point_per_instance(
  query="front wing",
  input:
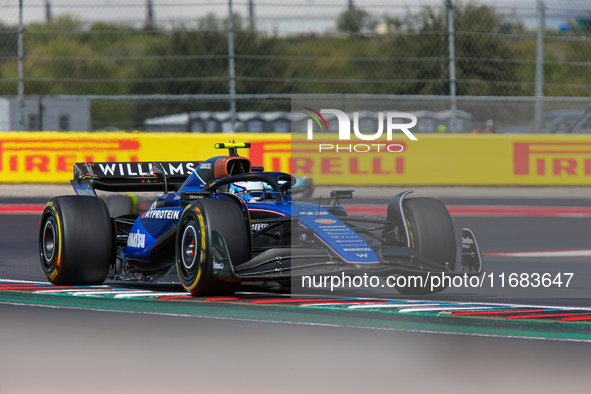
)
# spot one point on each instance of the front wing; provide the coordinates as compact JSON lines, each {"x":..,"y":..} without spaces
{"x":285,"y":263}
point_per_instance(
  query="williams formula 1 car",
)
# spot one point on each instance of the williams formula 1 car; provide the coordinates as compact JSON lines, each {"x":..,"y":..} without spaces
{"x":222,"y":222}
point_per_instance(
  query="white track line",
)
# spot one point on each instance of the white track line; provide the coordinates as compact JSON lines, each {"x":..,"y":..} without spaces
{"x":391,"y":306}
{"x":99,"y":288}
{"x":549,"y":253}
{"x":23,"y":281}
{"x":153,"y":294}
{"x":449,"y":308}
{"x":102,"y":292}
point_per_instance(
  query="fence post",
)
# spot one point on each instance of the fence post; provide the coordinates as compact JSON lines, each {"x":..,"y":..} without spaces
{"x":21,"y":82}
{"x":452,"y":64}
{"x":251,"y":18}
{"x":232,"y":71}
{"x":47,"y":11}
{"x":149,"y":13}
{"x":538,"y":126}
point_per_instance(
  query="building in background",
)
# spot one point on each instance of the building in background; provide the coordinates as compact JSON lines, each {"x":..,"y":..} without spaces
{"x":281,"y":122}
{"x":46,"y":114}
{"x":220,"y":122}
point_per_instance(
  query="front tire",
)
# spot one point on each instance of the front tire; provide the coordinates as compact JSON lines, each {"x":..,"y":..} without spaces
{"x":431,"y":233}
{"x":195,"y":246}
{"x":76,"y":240}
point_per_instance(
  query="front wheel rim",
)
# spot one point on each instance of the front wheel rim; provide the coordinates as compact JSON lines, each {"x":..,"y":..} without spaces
{"x":189,"y":248}
{"x":48,"y":243}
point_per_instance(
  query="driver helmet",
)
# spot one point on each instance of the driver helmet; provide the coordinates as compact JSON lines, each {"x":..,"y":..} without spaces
{"x":249,"y":190}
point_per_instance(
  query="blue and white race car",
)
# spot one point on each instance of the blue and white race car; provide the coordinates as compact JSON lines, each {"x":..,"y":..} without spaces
{"x":222,"y":222}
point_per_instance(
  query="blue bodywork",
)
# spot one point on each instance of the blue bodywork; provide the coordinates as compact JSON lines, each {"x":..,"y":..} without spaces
{"x":164,"y":214}
{"x":259,"y":230}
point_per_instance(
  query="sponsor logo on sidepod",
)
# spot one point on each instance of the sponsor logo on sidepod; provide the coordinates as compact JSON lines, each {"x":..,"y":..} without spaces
{"x":258,"y":226}
{"x":161,"y":214}
{"x":325,"y":221}
{"x":136,"y":240}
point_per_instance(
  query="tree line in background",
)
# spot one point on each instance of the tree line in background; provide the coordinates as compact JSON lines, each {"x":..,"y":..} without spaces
{"x":494,"y":56}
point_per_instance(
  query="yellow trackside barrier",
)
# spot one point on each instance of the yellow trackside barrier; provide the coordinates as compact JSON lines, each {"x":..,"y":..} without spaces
{"x":460,"y":159}
{"x":432,"y":160}
{"x":41,"y":157}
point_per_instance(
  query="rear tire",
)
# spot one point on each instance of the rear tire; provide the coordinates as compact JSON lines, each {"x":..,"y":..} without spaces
{"x":432,"y":234}
{"x":76,"y":240}
{"x":194,"y":245}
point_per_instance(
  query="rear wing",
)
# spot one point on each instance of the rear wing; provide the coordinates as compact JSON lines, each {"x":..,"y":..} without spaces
{"x":131,"y":176}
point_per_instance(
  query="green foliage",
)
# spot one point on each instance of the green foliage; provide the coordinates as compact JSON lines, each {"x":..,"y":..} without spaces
{"x":355,"y":21}
{"x":484,"y":55}
{"x":8,"y":59}
{"x":581,"y":25}
{"x":8,"y":42}
{"x":494,"y":56}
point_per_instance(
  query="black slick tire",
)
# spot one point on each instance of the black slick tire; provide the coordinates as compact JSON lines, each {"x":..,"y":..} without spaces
{"x":432,"y":234}
{"x":76,"y":240}
{"x":194,"y":251}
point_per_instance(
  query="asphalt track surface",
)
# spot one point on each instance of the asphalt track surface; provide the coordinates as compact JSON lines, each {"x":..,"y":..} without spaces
{"x":54,"y":343}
